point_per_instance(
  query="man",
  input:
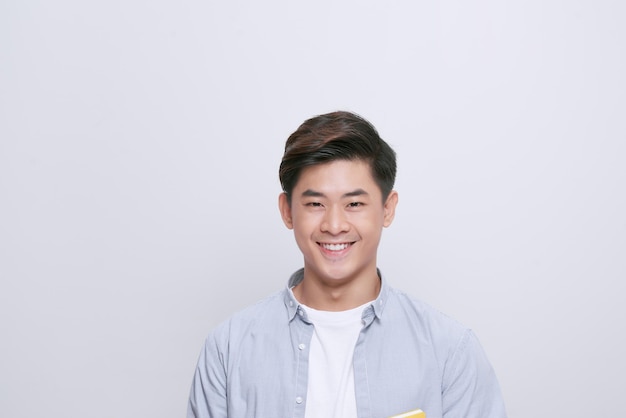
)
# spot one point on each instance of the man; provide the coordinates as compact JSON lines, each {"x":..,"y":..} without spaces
{"x":339,"y":341}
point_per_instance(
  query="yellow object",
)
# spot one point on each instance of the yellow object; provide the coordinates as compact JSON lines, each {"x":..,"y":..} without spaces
{"x":416,"y":413}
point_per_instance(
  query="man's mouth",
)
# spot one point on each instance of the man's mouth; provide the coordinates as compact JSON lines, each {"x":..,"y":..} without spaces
{"x":335,"y":247}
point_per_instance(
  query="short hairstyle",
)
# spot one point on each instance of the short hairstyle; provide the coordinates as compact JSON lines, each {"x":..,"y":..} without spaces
{"x":337,"y":136}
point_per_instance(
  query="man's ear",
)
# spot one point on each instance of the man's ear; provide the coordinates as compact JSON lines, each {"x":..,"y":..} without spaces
{"x":390,"y":208}
{"x":285,"y":210}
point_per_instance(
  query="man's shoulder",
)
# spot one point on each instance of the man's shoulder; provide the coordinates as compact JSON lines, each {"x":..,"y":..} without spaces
{"x":270,"y":310}
{"x":423,"y":317}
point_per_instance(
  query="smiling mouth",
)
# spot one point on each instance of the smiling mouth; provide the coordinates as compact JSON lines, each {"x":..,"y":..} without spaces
{"x":335,"y":247}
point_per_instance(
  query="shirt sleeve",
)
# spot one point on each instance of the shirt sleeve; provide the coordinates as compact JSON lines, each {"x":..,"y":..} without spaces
{"x":208,"y":397}
{"x":470,"y":388}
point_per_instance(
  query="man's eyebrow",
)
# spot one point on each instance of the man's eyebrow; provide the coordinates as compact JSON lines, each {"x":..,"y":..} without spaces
{"x":357,"y":192}
{"x":313,"y":193}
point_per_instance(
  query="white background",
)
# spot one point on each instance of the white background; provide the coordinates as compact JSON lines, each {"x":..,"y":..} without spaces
{"x":139,"y":150}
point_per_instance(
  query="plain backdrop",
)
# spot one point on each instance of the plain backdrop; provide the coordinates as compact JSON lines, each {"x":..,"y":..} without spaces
{"x":139,"y":150}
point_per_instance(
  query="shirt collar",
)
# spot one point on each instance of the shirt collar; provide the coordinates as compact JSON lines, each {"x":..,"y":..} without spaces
{"x":377,"y":306}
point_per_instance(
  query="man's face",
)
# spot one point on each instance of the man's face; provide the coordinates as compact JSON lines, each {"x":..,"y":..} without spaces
{"x":337,"y":216}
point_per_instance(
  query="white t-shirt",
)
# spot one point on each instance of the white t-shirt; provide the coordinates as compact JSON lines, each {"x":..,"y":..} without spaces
{"x":330,"y":390}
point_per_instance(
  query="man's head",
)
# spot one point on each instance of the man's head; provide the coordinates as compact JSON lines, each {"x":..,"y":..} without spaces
{"x":337,"y":175}
{"x":337,"y":136}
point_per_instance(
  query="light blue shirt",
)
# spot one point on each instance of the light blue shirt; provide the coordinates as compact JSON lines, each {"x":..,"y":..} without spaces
{"x":407,"y":356}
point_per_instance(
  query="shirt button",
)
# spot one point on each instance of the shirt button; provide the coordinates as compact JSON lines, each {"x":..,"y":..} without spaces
{"x":301,"y":346}
{"x":291,"y":303}
{"x":300,"y":312}
{"x":298,"y":399}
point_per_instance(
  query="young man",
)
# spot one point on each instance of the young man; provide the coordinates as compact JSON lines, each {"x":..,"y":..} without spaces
{"x":339,"y":341}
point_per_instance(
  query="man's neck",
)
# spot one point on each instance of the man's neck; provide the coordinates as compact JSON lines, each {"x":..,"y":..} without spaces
{"x":341,"y":297}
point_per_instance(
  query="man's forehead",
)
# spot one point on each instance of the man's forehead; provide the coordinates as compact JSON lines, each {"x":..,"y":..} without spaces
{"x":343,"y":177}
{"x":355,"y":167}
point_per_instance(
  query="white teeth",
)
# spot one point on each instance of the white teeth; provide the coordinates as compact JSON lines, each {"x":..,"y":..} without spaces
{"x":335,"y":247}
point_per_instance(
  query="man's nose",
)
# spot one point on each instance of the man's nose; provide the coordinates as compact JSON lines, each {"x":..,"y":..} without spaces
{"x":335,"y":221}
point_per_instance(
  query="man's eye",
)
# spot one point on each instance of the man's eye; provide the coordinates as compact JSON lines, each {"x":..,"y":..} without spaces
{"x":314,"y":204}
{"x":355,"y":204}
